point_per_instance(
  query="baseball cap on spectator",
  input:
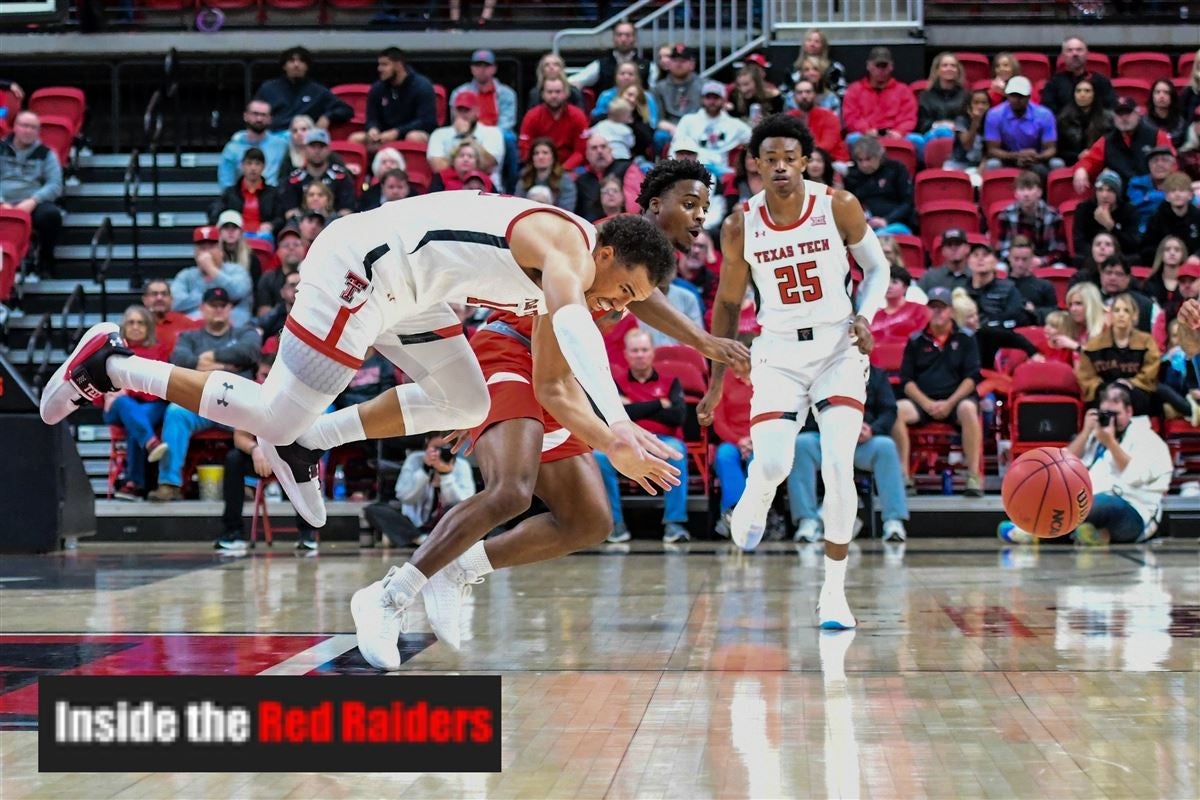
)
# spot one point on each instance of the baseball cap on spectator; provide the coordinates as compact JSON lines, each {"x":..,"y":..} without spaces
{"x":290,"y":229}
{"x":758,"y":58}
{"x":938,"y":294}
{"x":1125,"y":105}
{"x":683,"y":51}
{"x":954,"y":236}
{"x":313,"y":215}
{"x":1189,"y":269}
{"x":981,"y":246}
{"x":466,"y":99}
{"x":216,"y":295}
{"x":483,"y":57}
{"x":879,"y":55}
{"x":229,"y":217}
{"x":713,"y":87}
{"x":206,"y":233}
{"x":684,"y":144}
{"x":1110,"y":179}
{"x":1018,"y":84}
{"x":317,"y":135}
{"x":1160,"y":151}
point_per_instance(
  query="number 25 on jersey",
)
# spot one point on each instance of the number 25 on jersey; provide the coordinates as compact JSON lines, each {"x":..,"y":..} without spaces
{"x":797,"y":284}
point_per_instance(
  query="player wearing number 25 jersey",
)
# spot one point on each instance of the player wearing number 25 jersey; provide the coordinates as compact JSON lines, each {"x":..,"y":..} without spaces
{"x":791,"y":241}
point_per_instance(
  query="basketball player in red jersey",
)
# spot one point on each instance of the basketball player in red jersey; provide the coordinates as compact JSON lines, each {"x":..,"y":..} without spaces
{"x":523,"y":375}
{"x":791,"y":240}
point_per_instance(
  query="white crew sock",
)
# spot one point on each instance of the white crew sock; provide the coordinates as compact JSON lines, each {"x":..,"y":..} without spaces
{"x":835,"y":574}
{"x":408,"y":581}
{"x":475,"y":560}
{"x":139,"y":374}
{"x":330,"y":430}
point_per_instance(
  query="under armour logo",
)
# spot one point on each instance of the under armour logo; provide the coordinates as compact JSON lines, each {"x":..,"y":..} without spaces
{"x":354,"y":285}
{"x":757,"y":234}
{"x":228,"y":387}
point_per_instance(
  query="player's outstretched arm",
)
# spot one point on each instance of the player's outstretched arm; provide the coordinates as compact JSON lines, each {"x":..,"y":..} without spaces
{"x":863,"y":244}
{"x":657,"y":312}
{"x":554,"y":245}
{"x":727,"y":307}
{"x":633,"y":451}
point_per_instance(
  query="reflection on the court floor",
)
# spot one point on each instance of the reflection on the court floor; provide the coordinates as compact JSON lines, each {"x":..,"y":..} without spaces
{"x":842,"y":773}
{"x":1124,"y":627}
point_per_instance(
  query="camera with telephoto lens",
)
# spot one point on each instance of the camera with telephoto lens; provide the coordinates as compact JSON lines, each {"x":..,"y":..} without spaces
{"x":1104,"y":418}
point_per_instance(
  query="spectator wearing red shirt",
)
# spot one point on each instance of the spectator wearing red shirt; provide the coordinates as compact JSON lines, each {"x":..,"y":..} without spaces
{"x":879,"y":104}
{"x":258,"y":203}
{"x":654,"y":400}
{"x":899,"y":318}
{"x":168,"y":323}
{"x":557,"y":120}
{"x":825,"y":126}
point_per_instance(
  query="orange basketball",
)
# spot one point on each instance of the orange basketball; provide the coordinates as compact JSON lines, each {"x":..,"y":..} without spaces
{"x":1047,"y":492}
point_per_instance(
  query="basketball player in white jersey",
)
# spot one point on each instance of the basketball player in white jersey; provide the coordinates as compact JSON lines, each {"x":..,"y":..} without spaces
{"x":791,"y":240}
{"x":384,"y":278}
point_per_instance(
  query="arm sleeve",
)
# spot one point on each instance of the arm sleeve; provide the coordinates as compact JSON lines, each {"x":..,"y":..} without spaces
{"x":876,"y":273}
{"x":583,"y":348}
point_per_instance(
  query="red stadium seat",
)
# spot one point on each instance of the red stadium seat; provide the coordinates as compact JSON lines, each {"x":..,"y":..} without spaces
{"x":8,"y":270}
{"x":998,"y":184}
{"x":1060,"y":278}
{"x":1096,"y":62}
{"x":265,"y":253}
{"x":440,"y":105}
{"x":1137,"y":88}
{"x":355,"y":96}
{"x":1060,"y":187}
{"x":940,"y":216}
{"x":1067,"y":209}
{"x":993,"y":220}
{"x":976,"y":66}
{"x":981,"y":86}
{"x":1140,"y":272}
{"x":15,"y":228}
{"x":919,"y":86}
{"x":912,"y":251}
{"x":1035,"y":66}
{"x":938,"y":151}
{"x":1181,"y":83}
{"x":415,"y":162}
{"x":1045,"y":409}
{"x":901,"y":150}
{"x":681,"y":354}
{"x":1186,"y":62}
{"x":58,"y":133}
{"x":1148,"y":66}
{"x":932,"y":185}
{"x":930,"y":446}
{"x":66,"y":102}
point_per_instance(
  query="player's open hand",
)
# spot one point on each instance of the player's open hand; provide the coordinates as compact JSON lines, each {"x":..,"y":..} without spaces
{"x":707,"y":405}
{"x":728,"y":351}
{"x":1189,"y":312}
{"x":457,"y":440}
{"x":860,"y":334}
{"x":638,"y":454}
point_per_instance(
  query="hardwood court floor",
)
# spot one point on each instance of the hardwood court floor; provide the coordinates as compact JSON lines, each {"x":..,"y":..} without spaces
{"x":696,"y":673}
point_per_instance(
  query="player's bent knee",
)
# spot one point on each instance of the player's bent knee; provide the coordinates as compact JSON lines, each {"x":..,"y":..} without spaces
{"x":510,"y":497}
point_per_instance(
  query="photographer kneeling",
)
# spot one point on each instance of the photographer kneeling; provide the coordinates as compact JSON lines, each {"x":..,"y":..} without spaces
{"x":431,"y":481}
{"x":1130,"y":467}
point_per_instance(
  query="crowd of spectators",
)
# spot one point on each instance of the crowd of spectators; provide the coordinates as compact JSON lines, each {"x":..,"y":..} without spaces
{"x":1124,"y":237}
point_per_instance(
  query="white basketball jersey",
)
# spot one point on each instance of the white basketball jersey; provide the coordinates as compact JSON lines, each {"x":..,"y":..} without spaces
{"x":800,"y":271}
{"x":450,"y":247}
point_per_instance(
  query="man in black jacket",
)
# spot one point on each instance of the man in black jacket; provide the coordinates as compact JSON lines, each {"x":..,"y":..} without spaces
{"x":999,"y":302}
{"x":400,"y":105}
{"x":1107,"y":212}
{"x":252,"y":197}
{"x":1060,"y":89}
{"x":937,"y":378}
{"x":882,"y":186}
{"x":876,"y":453}
{"x":295,"y":93}
{"x":1038,"y":293}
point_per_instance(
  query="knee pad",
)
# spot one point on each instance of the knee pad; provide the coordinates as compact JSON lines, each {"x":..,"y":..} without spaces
{"x":315,"y":370}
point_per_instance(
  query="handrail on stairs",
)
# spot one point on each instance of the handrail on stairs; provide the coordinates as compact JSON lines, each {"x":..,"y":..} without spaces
{"x":77,"y":298}
{"x":43,"y":334}
{"x":103,"y":237}
{"x":132,"y":190}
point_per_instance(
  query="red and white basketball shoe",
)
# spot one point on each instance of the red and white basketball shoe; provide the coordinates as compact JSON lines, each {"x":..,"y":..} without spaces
{"x":82,"y":379}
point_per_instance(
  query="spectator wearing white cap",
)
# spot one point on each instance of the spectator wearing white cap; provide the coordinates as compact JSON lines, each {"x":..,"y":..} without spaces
{"x":211,"y":271}
{"x":714,"y":130}
{"x":1021,"y":133}
{"x":466,"y":125}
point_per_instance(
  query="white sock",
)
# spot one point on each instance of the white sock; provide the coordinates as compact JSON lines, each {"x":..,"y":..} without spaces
{"x":330,"y":430}
{"x":139,"y":374}
{"x":408,"y":581}
{"x":835,"y":574}
{"x":475,"y":560}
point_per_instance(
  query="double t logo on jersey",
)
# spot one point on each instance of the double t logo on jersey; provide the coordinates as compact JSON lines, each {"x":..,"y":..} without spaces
{"x":354,"y":285}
